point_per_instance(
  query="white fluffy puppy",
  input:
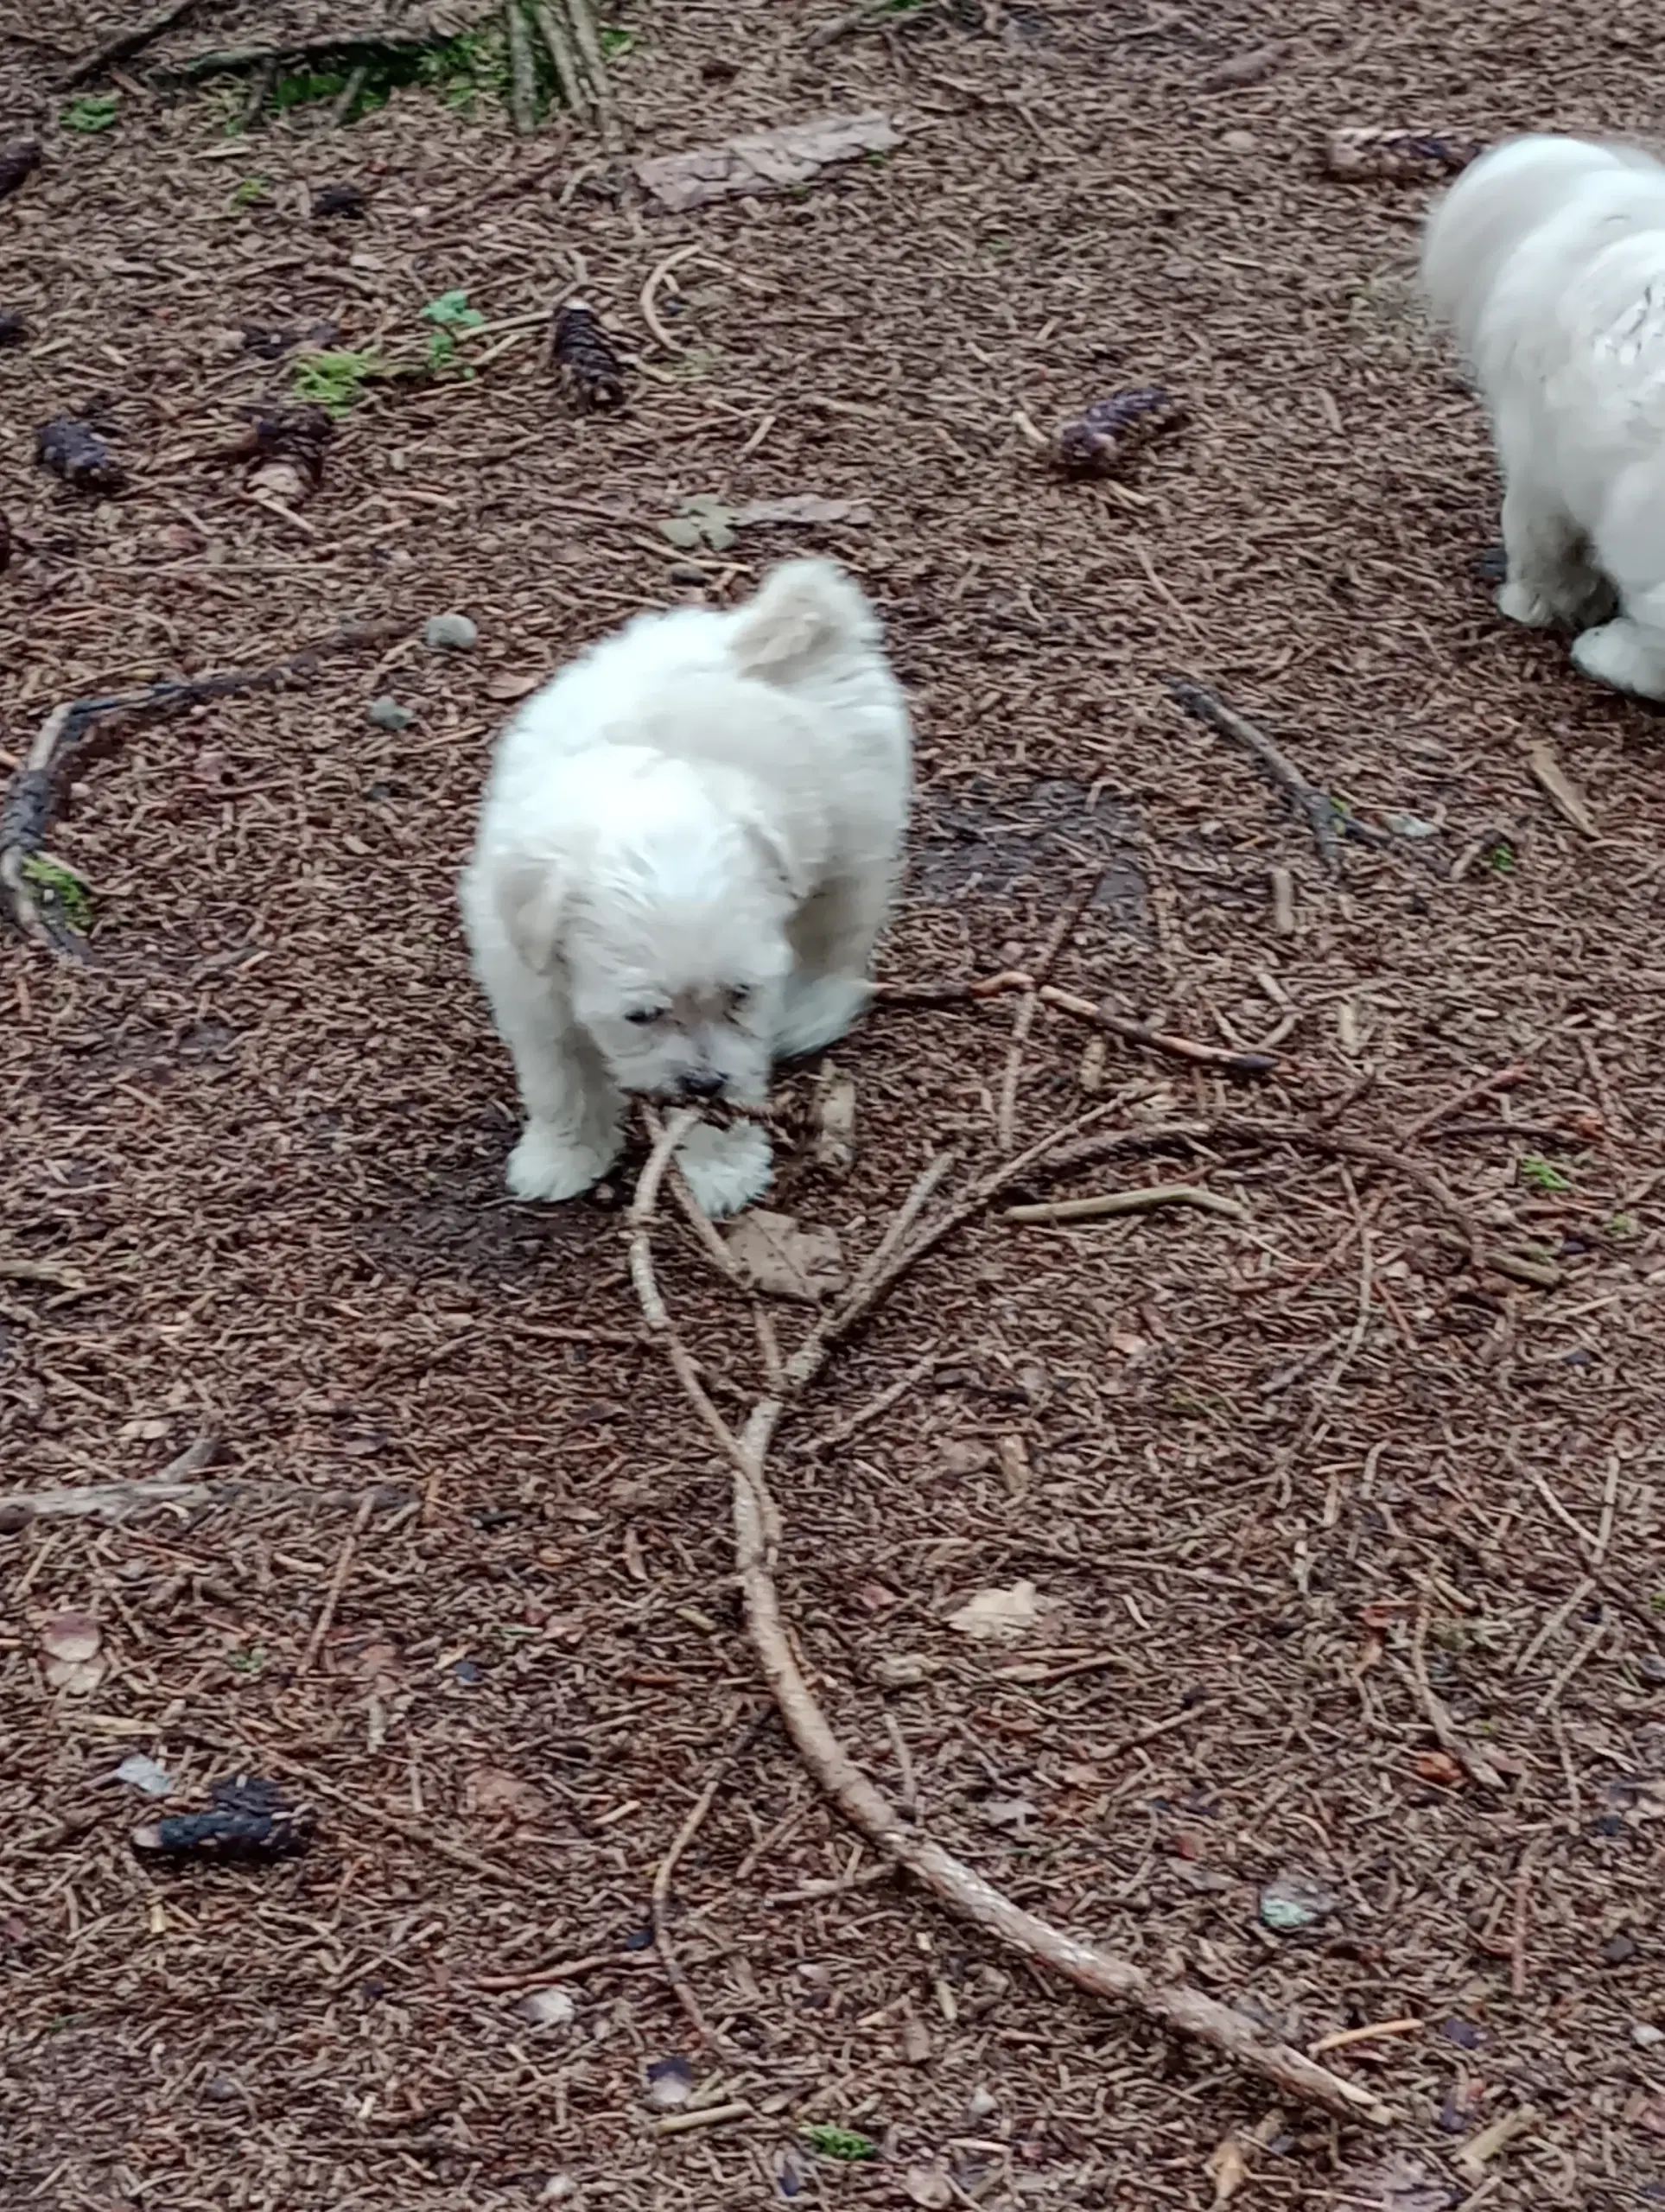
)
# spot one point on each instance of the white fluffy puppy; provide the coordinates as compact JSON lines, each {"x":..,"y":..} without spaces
{"x":688,"y":842}
{"x":1547,"y":258}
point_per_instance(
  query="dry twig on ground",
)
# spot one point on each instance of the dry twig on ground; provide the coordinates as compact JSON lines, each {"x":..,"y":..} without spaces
{"x":31,"y":799}
{"x":757,"y":1537}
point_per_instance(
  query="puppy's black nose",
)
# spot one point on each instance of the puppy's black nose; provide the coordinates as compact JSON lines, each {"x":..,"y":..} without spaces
{"x":702,"y":1086}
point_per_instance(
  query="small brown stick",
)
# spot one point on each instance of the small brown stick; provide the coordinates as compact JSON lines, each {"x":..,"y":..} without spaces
{"x":836,"y":1886}
{"x":1283,"y":903}
{"x":337,"y":1584}
{"x":1133,"y":1032}
{"x":1183,"y":2009}
{"x":854,"y":19}
{"x":1144,"y":1200}
{"x":567,"y":73}
{"x":348,"y":98}
{"x":682,"y":2123}
{"x":27,"y":811}
{"x":841,"y":1432}
{"x":1517,"y":1973}
{"x":1059,"y":935}
{"x":1552,"y":1696}
{"x":1488,"y":1086}
{"x":126,"y":42}
{"x":1327,"y":821}
{"x":1445,"y":1728}
{"x":1343,"y":2038}
{"x":522,"y":72}
{"x":659,"y":1896}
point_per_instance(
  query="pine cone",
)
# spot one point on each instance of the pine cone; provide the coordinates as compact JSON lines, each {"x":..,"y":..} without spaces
{"x":16,"y":163}
{"x":590,"y":371}
{"x":80,"y":456}
{"x":1397,"y":156}
{"x":1112,"y":430}
{"x":286,"y":445}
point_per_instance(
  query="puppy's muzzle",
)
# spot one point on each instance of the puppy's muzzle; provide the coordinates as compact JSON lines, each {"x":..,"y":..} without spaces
{"x":701,"y":1085}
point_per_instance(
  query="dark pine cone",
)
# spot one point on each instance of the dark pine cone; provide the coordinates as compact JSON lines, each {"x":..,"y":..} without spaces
{"x":589,"y":370}
{"x":80,"y":456}
{"x":252,"y":1821}
{"x":16,"y":163}
{"x":1112,"y":429}
{"x":294,"y":434}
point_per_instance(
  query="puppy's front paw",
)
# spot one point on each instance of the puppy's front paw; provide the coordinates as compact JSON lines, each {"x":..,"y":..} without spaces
{"x":1519,"y":603}
{"x":815,"y":1014}
{"x":548,"y":1164}
{"x":726,"y":1169}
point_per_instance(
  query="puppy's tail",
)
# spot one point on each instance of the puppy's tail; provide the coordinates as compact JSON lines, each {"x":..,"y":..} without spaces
{"x":807,"y":612}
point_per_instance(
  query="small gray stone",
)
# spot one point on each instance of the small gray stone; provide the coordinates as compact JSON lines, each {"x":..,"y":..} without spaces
{"x":1294,"y":1902}
{"x":1646,"y":2036}
{"x":449,"y":633}
{"x":388,"y":713}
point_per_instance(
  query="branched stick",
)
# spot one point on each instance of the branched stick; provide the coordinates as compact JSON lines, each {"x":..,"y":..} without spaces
{"x":126,"y":43}
{"x":589,"y":41}
{"x":1245,"y":1065}
{"x":1184,"y":2011}
{"x":31,"y":798}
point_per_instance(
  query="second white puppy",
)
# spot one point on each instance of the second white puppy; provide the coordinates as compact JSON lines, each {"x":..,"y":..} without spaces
{"x":1547,"y":258}
{"x":688,"y":843}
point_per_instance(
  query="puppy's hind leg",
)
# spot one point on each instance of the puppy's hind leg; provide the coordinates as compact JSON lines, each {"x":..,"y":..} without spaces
{"x":833,"y":939}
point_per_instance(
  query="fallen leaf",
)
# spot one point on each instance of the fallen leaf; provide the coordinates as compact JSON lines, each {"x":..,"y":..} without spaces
{"x":1647,"y":2112}
{"x":71,"y":1637}
{"x":800,"y":509}
{"x":916,"y":2046}
{"x":764,"y":160}
{"x":1227,"y":2168}
{"x":507,"y":684}
{"x":902,"y":1670}
{"x":998,"y":1615}
{"x":1548,"y":774}
{"x":1294,"y":1902}
{"x":1242,"y":69}
{"x":1400,"y":2184}
{"x":547,"y":2008}
{"x":1007,"y":1812}
{"x":139,"y":1772}
{"x":928,"y":2185}
{"x":834,"y":1120}
{"x":777,"y":1257}
{"x":1438,"y":1766}
{"x":1015,"y":1472}
{"x":702,"y":520}
{"x":491,"y":1794}
{"x":964,"y":1455}
{"x":670,"y":2083}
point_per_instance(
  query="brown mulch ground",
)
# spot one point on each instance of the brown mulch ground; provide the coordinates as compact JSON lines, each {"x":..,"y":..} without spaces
{"x":1295,"y":1487}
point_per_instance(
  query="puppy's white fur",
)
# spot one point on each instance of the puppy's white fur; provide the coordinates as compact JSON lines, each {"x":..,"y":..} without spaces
{"x":1547,"y":258}
{"x":688,"y":843}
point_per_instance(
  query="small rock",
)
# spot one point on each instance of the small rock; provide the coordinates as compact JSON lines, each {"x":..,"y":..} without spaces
{"x":449,"y":633}
{"x":1411,"y":825}
{"x":1294,"y":1902}
{"x":547,"y":2008}
{"x":902,"y":1670}
{"x":388,"y":713}
{"x":1619,"y":1950}
{"x":1652,"y":1666}
{"x":670,"y":2083}
{"x":1239,"y":141}
{"x":1646,"y":2036}
{"x":981,"y":2104}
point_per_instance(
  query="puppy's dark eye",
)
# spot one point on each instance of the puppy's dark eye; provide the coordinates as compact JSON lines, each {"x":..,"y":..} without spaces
{"x":642,"y":1015}
{"x":739,"y":996}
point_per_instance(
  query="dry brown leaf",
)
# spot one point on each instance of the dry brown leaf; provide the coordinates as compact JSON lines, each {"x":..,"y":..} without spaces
{"x":778,"y":1258}
{"x":547,"y":2008}
{"x":1478,"y":2152}
{"x":964,"y":1455}
{"x":928,"y":2185}
{"x":1438,"y":1766}
{"x":765,"y":161}
{"x":1552,"y":779}
{"x":509,"y":684}
{"x":491,"y":1794}
{"x":999,"y":1616}
{"x":917,"y":2045}
{"x":71,"y":1638}
{"x":1227,"y":2168}
{"x":1243,"y":69}
{"x":801,"y":508}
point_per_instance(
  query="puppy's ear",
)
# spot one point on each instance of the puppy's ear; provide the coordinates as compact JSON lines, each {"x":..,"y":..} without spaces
{"x":532,"y":900}
{"x":776,"y":855}
{"x":807,"y":612}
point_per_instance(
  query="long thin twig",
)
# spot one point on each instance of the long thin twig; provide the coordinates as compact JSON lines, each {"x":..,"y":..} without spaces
{"x":337,"y":1584}
{"x":589,"y":41}
{"x":1328,"y":822}
{"x":523,"y":71}
{"x":976,"y":991}
{"x":27,"y":811}
{"x":1059,"y":935}
{"x":1184,"y":2011}
{"x":1109,"y":1204}
{"x":126,"y":43}
{"x":660,"y":1897}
